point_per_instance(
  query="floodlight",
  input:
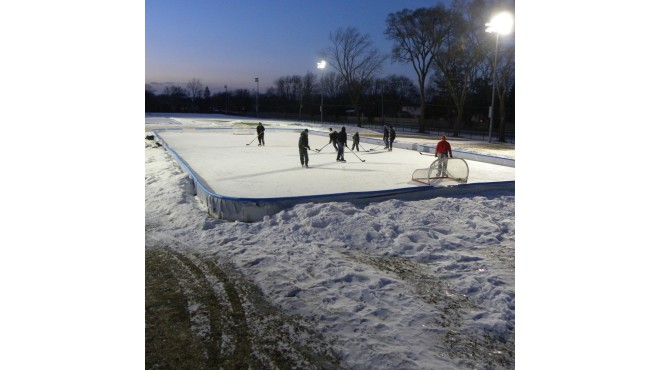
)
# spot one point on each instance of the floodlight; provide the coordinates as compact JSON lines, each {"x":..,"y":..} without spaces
{"x":501,"y":23}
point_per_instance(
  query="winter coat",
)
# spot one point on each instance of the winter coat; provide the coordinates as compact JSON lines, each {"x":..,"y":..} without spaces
{"x":303,"y":142}
{"x":443,"y":147}
{"x":341,"y":138}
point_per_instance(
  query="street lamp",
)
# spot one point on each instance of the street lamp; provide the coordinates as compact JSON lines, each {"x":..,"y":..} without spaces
{"x":226,"y":101}
{"x":501,"y":24}
{"x":321,"y":65}
{"x":256,"y":79}
{"x":382,"y":103}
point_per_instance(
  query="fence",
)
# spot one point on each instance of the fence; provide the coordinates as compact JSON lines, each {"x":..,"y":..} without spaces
{"x":432,"y":130}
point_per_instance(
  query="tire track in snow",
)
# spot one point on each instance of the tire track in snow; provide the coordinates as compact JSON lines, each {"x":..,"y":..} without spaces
{"x":201,"y":313}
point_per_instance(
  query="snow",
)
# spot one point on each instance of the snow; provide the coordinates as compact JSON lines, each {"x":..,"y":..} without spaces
{"x":231,"y":168}
{"x":72,"y":266}
{"x":392,"y":282}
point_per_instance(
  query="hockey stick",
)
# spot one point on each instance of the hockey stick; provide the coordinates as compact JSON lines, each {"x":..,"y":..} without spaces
{"x":425,"y":153}
{"x":319,"y":150}
{"x":356,"y":155}
{"x":255,"y":138}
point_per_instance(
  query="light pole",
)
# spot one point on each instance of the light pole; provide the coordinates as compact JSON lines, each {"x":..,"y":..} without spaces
{"x":256,"y":79}
{"x":382,"y":103}
{"x":226,"y":101}
{"x":321,"y":65}
{"x":501,"y":24}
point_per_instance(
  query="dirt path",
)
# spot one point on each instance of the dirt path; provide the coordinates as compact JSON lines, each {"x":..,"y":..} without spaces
{"x":200,"y":315}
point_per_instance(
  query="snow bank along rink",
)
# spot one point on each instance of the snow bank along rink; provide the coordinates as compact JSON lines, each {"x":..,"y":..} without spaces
{"x":239,"y":180}
{"x":425,"y":284}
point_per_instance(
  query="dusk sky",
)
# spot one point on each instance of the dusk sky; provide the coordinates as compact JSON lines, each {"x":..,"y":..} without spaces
{"x":231,"y":42}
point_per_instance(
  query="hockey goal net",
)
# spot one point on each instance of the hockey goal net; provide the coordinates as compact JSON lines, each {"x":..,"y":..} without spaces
{"x":441,"y":169}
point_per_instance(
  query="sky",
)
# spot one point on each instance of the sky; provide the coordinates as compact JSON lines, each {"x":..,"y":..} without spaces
{"x":233,"y":42}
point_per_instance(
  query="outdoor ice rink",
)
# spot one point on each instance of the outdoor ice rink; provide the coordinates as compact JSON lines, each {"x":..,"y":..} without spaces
{"x":226,"y":165}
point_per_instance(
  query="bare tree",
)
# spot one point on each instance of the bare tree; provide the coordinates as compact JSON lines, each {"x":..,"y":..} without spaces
{"x":395,"y":90}
{"x":505,"y":80}
{"x":174,"y":90}
{"x":175,"y":98}
{"x":195,"y":88}
{"x":352,"y":56}
{"x":281,"y":87}
{"x":308,"y":82}
{"x":459,"y":57}
{"x":288,"y":87}
{"x":331,"y":84}
{"x":502,"y":74}
{"x":415,"y":34}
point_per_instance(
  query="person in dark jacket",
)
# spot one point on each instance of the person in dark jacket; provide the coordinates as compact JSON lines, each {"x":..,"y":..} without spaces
{"x":386,"y":136}
{"x":392,"y":137}
{"x":333,"y":139}
{"x":356,"y":142}
{"x":303,"y":146}
{"x":341,"y":143}
{"x":260,"y":134}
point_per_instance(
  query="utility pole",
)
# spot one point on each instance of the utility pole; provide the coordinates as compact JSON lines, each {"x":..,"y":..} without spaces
{"x":257,"y":81}
{"x":226,"y":101}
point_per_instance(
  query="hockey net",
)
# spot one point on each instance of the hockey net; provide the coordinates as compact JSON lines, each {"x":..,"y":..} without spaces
{"x":442,"y":169}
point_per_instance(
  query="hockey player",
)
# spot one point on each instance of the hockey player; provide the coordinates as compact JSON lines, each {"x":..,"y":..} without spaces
{"x":356,"y":142}
{"x":260,"y":134}
{"x":392,"y":137}
{"x":333,"y":139}
{"x":341,"y":143}
{"x":386,"y":136}
{"x":443,"y":148}
{"x":303,"y":146}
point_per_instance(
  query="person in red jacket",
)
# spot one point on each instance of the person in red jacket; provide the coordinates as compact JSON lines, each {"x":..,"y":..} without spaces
{"x":444,"y":149}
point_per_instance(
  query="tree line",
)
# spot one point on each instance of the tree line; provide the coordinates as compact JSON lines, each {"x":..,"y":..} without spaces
{"x":452,"y":56}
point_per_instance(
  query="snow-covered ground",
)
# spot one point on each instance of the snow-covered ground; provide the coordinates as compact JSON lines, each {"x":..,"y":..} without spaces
{"x":73,"y":273}
{"x":418,"y":285}
{"x":74,"y":182}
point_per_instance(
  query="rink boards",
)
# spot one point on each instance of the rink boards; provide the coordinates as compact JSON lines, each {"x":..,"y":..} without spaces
{"x":240,"y":181}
